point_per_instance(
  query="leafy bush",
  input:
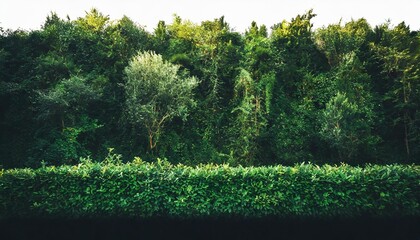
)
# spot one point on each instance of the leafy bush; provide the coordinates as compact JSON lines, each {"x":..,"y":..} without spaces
{"x":160,"y":189}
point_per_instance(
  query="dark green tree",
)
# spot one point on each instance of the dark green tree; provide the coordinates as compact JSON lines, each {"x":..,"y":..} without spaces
{"x":398,"y":51}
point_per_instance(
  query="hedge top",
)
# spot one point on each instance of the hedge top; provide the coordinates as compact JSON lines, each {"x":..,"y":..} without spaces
{"x":139,"y":189}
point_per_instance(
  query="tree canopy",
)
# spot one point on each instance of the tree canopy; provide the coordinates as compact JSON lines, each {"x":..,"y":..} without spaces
{"x":346,"y":92}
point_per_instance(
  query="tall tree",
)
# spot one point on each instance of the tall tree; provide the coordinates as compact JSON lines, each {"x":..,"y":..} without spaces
{"x":398,"y":50}
{"x":291,"y":119}
{"x":250,"y":118}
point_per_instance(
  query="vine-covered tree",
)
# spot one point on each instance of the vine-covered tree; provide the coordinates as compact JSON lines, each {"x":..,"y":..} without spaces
{"x":249,"y":118}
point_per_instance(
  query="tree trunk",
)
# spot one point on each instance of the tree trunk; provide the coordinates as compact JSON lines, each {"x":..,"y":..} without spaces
{"x":150,"y":140}
{"x":62,"y":123}
{"x":406,"y":141}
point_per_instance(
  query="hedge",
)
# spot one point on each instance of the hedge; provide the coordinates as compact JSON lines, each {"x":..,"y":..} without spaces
{"x":145,"y":190}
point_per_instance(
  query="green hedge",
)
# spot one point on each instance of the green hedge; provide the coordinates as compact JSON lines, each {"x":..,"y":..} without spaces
{"x":160,"y":189}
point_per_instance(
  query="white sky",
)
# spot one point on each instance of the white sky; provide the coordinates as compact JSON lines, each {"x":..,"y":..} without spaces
{"x":31,"y":14}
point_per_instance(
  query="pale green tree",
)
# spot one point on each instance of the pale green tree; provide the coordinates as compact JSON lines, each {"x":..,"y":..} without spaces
{"x":156,"y":93}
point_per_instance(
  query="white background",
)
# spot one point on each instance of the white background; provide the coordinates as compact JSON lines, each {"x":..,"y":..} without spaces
{"x":31,"y":14}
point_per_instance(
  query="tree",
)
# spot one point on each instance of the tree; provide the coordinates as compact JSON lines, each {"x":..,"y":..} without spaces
{"x":346,"y":126}
{"x":249,"y":115}
{"x":212,"y":52}
{"x":349,"y":118}
{"x":257,"y":52}
{"x":64,"y":115}
{"x":160,"y":38}
{"x":94,"y":21}
{"x":337,"y":41}
{"x":156,"y":93}
{"x":291,"y":125}
{"x":66,"y":100}
{"x":294,"y":44}
{"x":398,"y":50}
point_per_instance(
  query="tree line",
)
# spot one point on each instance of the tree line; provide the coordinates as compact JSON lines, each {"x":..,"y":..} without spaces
{"x":205,"y":93}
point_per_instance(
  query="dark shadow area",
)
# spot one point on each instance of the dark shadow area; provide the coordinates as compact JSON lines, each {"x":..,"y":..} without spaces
{"x":264,"y":228}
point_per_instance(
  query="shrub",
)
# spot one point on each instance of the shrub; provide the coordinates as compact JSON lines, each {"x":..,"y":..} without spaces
{"x":144,"y":190}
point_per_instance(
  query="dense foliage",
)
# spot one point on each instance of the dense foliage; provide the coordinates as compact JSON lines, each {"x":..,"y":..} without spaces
{"x":342,"y":93}
{"x":139,"y":189}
